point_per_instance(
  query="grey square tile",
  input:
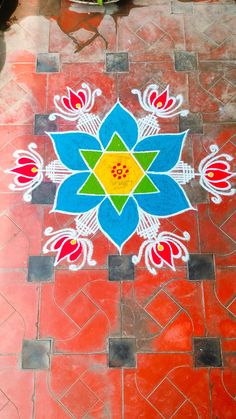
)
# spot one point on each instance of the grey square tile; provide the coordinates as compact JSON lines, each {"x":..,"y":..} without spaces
{"x":50,"y":8}
{"x":122,"y":352}
{"x":43,"y":125}
{"x":193,"y":122}
{"x":207,"y":352}
{"x":40,"y":268}
{"x":36,"y":354}
{"x":44,"y":194}
{"x":117,"y":62}
{"x":201,"y":267}
{"x":185,"y":61}
{"x":48,"y":63}
{"x":178,"y":7}
{"x":196,"y":194}
{"x":121,"y":268}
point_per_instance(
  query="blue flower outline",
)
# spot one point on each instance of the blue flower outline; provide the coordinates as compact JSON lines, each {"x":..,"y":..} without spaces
{"x":120,"y":227}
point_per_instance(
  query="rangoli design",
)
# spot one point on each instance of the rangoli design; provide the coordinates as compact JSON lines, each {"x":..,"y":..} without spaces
{"x":119,"y":176}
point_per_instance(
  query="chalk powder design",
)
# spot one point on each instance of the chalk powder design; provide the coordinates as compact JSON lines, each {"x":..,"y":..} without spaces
{"x":119,"y":176}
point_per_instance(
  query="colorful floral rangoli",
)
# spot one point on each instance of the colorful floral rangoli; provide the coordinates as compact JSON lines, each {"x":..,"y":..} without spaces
{"x":119,"y":176}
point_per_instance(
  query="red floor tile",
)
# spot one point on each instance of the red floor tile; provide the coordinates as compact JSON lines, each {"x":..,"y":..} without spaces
{"x":219,"y":320}
{"x":18,"y":259}
{"x":87,"y":399}
{"x":189,"y":297}
{"x":17,"y":319}
{"x":189,"y":224}
{"x":81,"y":309}
{"x":194,"y":384}
{"x":8,"y":229}
{"x":213,"y":239}
{"x":226,"y":260}
{"x":158,"y":31}
{"x":170,"y":373}
{"x":164,"y":391}
{"x":46,"y":403}
{"x":229,"y":345}
{"x":31,"y":101}
{"x":163,"y":308}
{"x":17,"y":388}
{"x":225,"y":286}
{"x":88,"y":375}
{"x":71,"y":331}
{"x":222,"y":401}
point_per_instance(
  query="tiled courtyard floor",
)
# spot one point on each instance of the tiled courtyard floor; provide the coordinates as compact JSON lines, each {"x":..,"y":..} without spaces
{"x":112,"y":340}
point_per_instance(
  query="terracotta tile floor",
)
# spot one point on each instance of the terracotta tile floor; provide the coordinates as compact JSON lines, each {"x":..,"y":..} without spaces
{"x":108,"y":341}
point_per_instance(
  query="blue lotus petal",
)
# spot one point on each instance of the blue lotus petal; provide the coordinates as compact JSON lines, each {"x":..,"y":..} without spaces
{"x":170,"y":199}
{"x":170,"y":147}
{"x":68,"y":200}
{"x":118,"y":227}
{"x":68,"y":144}
{"x":119,"y":120}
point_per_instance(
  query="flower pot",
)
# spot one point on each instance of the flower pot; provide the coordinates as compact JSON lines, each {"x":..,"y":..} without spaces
{"x":94,"y":2}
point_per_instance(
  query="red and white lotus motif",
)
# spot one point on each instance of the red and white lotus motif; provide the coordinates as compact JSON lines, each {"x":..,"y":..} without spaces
{"x":72,"y":106}
{"x":215,"y":172}
{"x":161,"y":104}
{"x":75,"y":101}
{"x":160,"y":101}
{"x":28,"y":171}
{"x":163,"y":251}
{"x":68,"y":246}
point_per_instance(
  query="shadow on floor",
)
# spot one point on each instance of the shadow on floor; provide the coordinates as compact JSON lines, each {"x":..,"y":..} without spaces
{"x":69,"y":16}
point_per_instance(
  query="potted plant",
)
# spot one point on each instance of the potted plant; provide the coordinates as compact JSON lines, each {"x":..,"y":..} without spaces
{"x":94,"y":2}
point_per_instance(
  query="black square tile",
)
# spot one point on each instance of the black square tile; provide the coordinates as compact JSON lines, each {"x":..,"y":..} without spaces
{"x":40,"y":268}
{"x":43,"y":125}
{"x":121,"y":268}
{"x":185,"y":61}
{"x":36,"y":354}
{"x":207,"y":352}
{"x":117,"y":62}
{"x":48,"y":63}
{"x":44,"y":194}
{"x":193,"y":122}
{"x":122,"y":352}
{"x":201,"y":267}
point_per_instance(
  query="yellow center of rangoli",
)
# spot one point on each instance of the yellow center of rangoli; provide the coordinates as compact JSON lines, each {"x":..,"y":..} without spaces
{"x":118,"y":172}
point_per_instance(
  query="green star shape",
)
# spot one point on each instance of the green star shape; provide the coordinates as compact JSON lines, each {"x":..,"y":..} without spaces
{"x":93,"y":186}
